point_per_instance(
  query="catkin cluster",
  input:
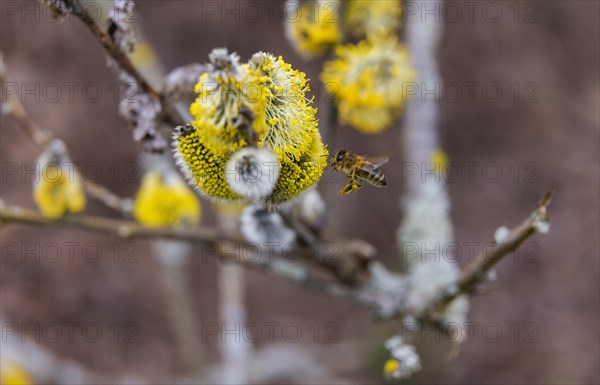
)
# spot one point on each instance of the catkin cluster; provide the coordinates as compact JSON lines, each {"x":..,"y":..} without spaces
{"x":368,"y":79}
{"x":254,"y":136}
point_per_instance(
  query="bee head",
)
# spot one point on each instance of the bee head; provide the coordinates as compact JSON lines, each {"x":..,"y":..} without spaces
{"x":338,"y":158}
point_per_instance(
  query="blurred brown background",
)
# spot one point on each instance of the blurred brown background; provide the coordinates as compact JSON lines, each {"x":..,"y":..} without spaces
{"x":548,"y":48}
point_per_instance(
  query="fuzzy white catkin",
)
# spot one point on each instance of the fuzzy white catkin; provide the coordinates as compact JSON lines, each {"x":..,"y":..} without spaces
{"x":265,"y":228}
{"x":56,"y":152}
{"x":121,"y":14}
{"x":311,"y":206}
{"x":55,"y":156}
{"x":406,"y":355}
{"x":252,"y":172}
{"x":56,"y":8}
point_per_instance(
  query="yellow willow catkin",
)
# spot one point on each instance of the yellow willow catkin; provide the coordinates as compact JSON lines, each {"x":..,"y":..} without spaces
{"x":313,"y":26}
{"x":373,"y":18}
{"x":267,"y":97}
{"x":370,"y":81}
{"x":58,"y":188}
{"x":164,"y":199}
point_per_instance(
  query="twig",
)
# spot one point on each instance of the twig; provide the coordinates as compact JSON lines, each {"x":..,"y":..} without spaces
{"x":111,"y":48}
{"x":123,"y":61}
{"x":121,"y":228}
{"x":108,"y":198}
{"x":507,"y":241}
{"x":41,"y":137}
{"x":477,"y":271}
{"x":13,"y":107}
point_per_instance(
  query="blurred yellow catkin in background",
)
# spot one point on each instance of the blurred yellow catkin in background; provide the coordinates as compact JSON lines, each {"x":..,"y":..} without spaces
{"x":313,"y":26}
{"x":57,"y":188}
{"x":369,"y":81}
{"x":164,"y":199}
{"x":13,"y":373}
{"x":372,"y":18}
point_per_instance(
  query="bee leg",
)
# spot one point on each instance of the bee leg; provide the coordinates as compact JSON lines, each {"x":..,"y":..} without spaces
{"x":346,"y":189}
{"x":352,"y":185}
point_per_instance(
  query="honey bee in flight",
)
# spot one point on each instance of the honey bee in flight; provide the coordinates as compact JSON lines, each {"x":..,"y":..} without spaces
{"x":359,"y":169}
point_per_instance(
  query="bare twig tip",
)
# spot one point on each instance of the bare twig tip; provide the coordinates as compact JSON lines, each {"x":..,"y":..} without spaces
{"x":546,"y":199}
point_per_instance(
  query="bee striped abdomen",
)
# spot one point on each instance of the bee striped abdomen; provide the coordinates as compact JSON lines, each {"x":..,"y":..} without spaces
{"x":379,"y":178}
{"x":373,"y":175}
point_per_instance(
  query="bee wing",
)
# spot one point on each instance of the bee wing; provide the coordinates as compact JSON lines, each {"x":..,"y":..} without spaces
{"x":377,"y":161}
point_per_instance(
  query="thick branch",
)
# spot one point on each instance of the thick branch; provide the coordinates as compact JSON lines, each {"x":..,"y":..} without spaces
{"x":218,"y":245}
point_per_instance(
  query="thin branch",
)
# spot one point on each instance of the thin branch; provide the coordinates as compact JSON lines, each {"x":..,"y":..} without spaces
{"x":121,"y":228}
{"x":41,"y":137}
{"x":123,"y":61}
{"x":507,"y":241}
{"x":112,"y":49}
{"x":13,"y":107}
{"x":108,"y":198}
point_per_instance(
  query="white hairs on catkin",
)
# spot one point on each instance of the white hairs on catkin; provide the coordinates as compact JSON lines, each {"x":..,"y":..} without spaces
{"x":56,"y":152}
{"x":406,"y":356}
{"x":260,"y":226}
{"x":224,"y":64}
{"x":252,"y":172}
{"x":122,"y":28}
{"x":55,"y":155}
{"x":56,"y":8}
{"x":179,"y":83}
{"x":142,"y":112}
{"x":310,"y":206}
